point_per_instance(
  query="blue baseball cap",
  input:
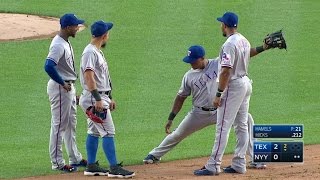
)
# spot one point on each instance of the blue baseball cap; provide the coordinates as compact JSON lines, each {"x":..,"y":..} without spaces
{"x":194,"y":53}
{"x":99,"y":28}
{"x":70,"y":20}
{"x":230,"y":19}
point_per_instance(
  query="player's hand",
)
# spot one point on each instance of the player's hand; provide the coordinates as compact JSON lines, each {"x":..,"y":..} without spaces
{"x":67,"y":87}
{"x":112,"y":105}
{"x":168,"y":126}
{"x":217,"y":102}
{"x":265,"y":46}
{"x":98,"y":106}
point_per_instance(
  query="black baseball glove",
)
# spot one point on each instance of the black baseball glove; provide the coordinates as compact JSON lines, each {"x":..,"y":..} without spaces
{"x":275,"y":40}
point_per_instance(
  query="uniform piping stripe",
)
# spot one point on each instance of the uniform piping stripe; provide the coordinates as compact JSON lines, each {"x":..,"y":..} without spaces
{"x":52,"y":60}
{"x":60,"y":114}
{"x":224,"y":112}
{"x":89,"y":68}
{"x":226,"y":65}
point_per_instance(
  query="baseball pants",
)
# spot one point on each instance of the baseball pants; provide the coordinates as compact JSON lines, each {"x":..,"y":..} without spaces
{"x":233,"y":111}
{"x":98,"y":129}
{"x":63,"y":124}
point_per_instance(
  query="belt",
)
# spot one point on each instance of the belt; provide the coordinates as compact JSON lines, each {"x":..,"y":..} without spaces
{"x":70,"y":81}
{"x":207,"y":108}
{"x":105,"y":92}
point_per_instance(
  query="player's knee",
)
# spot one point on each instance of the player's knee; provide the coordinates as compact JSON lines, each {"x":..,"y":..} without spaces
{"x":178,"y":135}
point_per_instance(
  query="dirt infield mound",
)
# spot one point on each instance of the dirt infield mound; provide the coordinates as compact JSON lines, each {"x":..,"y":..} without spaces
{"x":23,"y":26}
{"x":183,"y":169}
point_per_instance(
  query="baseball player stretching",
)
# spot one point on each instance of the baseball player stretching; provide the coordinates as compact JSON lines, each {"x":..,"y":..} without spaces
{"x":232,"y":98}
{"x":200,"y":82}
{"x":96,"y":83}
{"x":62,"y":95}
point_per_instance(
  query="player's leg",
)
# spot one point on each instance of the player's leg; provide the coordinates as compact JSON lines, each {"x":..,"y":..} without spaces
{"x":226,"y":113}
{"x":251,"y":139}
{"x":107,"y":132}
{"x":252,"y":165}
{"x":241,"y":130}
{"x":58,"y":125}
{"x":92,"y":142}
{"x":75,"y":157}
{"x":193,"y":121}
{"x":93,"y":168}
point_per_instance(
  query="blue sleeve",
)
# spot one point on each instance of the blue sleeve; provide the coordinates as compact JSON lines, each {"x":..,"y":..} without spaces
{"x":50,"y":68}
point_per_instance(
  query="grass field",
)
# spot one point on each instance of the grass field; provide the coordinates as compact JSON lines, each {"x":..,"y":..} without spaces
{"x":147,"y":44}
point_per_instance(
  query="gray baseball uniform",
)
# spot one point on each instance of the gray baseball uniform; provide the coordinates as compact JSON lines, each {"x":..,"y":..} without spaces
{"x":235,"y":53}
{"x":201,"y":84}
{"x":63,"y":105}
{"x":93,"y":59}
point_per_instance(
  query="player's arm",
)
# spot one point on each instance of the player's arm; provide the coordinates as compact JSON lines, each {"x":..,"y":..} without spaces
{"x":177,"y":105}
{"x":255,"y":51}
{"x":50,"y":68}
{"x":224,"y":78}
{"x":92,"y":87}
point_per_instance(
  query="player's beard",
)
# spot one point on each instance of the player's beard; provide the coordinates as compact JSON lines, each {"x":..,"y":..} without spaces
{"x":224,"y":34}
{"x":104,"y":45}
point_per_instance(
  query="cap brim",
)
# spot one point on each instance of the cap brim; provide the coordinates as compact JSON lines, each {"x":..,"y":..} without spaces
{"x":187,"y":59}
{"x":220,"y":19}
{"x":80,"y":21}
{"x":109,"y":25}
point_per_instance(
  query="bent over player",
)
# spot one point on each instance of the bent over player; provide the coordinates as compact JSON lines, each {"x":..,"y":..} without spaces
{"x":62,"y":95}
{"x":199,"y":82}
{"x":97,"y":102}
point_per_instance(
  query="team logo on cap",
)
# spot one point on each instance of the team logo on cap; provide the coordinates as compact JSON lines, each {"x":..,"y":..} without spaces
{"x":189,"y":53}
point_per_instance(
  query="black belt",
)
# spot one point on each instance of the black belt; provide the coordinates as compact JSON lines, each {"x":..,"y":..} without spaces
{"x":207,"y":108}
{"x":70,"y":81}
{"x":105,"y":92}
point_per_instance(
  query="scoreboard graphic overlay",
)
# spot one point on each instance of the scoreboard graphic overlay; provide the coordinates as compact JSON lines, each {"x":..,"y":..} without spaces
{"x":278,"y":143}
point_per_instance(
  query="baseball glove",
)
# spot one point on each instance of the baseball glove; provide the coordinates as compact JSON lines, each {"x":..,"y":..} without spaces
{"x":96,"y":116}
{"x":275,"y":40}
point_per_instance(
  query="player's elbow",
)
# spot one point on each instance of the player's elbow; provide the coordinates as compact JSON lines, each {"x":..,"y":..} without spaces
{"x":49,"y":66}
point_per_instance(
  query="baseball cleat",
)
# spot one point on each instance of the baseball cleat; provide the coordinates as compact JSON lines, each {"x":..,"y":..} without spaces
{"x":229,"y":169}
{"x":150,"y":159}
{"x":117,"y":171}
{"x":67,"y":168}
{"x":82,"y":163}
{"x":204,"y":172}
{"x":95,"y":170}
{"x":253,"y":165}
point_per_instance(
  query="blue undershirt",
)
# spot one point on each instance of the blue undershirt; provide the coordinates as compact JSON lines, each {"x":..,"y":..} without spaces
{"x":50,"y":68}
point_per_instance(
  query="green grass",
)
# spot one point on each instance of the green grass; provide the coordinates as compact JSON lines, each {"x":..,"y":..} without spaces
{"x":147,"y":44}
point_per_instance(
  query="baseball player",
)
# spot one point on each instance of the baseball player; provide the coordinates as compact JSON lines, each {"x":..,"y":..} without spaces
{"x":200,"y":82}
{"x":232,"y":97}
{"x":59,"y":66}
{"x":96,"y":83}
